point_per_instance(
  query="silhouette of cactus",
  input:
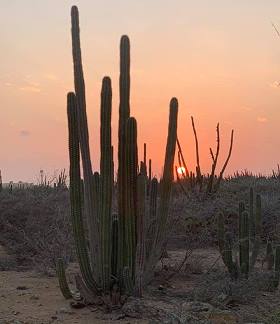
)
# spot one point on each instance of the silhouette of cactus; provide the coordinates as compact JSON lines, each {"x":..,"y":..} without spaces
{"x":249,"y":244}
{"x":114,"y":259}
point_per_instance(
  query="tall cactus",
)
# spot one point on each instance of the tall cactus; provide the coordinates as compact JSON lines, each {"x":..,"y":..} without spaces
{"x":165,"y":190}
{"x":79,"y":83}
{"x":124,"y":114}
{"x":131,"y":153}
{"x":111,"y":251}
{"x":106,"y":181}
{"x":75,"y":195}
{"x":141,"y":234}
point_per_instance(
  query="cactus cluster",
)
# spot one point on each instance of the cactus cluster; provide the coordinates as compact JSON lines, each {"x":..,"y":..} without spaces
{"x":116,"y":252}
{"x":242,"y":263}
{"x":249,"y":239}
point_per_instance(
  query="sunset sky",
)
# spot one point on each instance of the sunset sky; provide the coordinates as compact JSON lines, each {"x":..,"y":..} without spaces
{"x":220,"y":58}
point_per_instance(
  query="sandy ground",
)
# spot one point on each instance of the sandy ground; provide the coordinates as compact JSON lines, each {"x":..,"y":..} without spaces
{"x":30,"y":298}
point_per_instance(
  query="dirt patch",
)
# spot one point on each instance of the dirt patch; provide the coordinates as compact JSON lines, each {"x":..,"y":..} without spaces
{"x":192,"y":296}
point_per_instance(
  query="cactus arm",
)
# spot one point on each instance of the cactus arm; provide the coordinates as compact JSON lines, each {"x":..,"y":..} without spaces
{"x":131,"y":193}
{"x":277,"y":267}
{"x":256,"y":231}
{"x":141,"y":234}
{"x":124,"y":114}
{"x":75,"y":195}
{"x":244,"y":244}
{"x":63,"y":285}
{"x":90,"y":212}
{"x":106,"y":181}
{"x":115,"y":244}
{"x":252,"y":218}
{"x":165,"y":190}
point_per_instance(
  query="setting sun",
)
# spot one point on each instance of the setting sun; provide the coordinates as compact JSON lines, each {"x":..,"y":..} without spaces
{"x":181,"y":170}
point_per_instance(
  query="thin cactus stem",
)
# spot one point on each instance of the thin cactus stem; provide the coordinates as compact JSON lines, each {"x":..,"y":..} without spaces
{"x":63,"y":285}
{"x":106,"y":181}
{"x":141,"y":235}
{"x":150,"y":170}
{"x":256,"y":230}
{"x":165,"y":189}
{"x":244,"y":255}
{"x":89,"y":209}
{"x":277,"y":267}
{"x":252,"y":214}
{"x":145,"y":157}
{"x":75,"y":195}
{"x":269,"y":256}
{"x":115,"y":244}
{"x":124,"y":114}
{"x":131,"y":192}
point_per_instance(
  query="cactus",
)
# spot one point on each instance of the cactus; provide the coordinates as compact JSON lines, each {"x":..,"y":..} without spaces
{"x":60,"y":271}
{"x":131,"y":193}
{"x":124,"y":114}
{"x":114,"y":260}
{"x":106,"y":181}
{"x":141,"y":231}
{"x":269,"y":255}
{"x":276,"y":267}
{"x":244,"y":255}
{"x":75,"y":195}
{"x":165,"y":190}
{"x":249,"y":241}
{"x":89,"y":208}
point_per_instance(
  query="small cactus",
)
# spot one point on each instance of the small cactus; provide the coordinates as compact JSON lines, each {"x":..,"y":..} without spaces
{"x":248,"y":245}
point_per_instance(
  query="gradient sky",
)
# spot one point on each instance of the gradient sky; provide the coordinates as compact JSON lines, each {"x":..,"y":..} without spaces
{"x":221,"y":58}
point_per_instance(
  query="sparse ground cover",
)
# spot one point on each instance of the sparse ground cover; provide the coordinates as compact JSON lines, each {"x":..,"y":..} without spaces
{"x":197,"y":290}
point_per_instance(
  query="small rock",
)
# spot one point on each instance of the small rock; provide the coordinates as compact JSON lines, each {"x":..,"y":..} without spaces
{"x":22,"y":288}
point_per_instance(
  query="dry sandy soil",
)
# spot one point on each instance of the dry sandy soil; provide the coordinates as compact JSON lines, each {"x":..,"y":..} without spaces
{"x":28,"y":297}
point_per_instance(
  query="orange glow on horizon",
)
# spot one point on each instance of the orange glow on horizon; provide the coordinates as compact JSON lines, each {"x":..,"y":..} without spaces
{"x":220,"y":59}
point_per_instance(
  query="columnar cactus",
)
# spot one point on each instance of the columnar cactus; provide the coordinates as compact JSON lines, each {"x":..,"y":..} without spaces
{"x":63,"y":285}
{"x":131,"y":193}
{"x":115,"y":261}
{"x":124,"y":114}
{"x":106,"y":182}
{"x":76,"y":195}
{"x":248,"y":240}
{"x":244,"y":253}
{"x":89,"y":208}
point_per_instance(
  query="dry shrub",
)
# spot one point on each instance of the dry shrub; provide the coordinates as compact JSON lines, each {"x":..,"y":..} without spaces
{"x":35,"y":226}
